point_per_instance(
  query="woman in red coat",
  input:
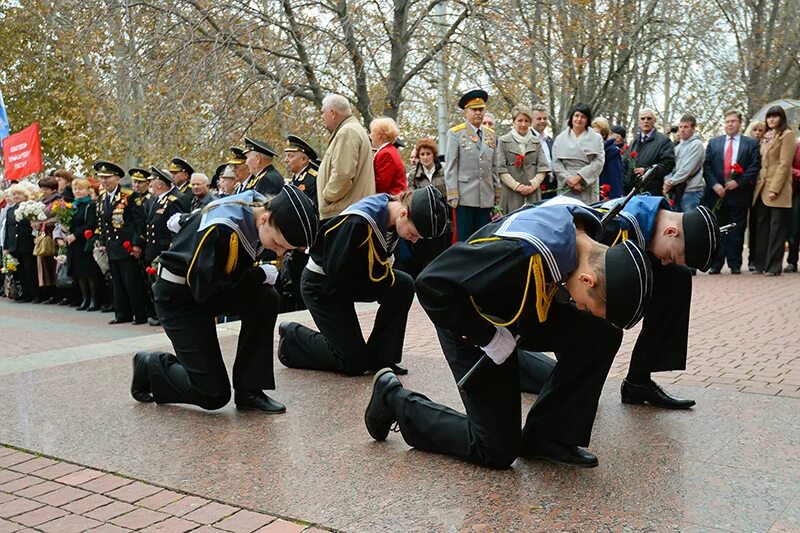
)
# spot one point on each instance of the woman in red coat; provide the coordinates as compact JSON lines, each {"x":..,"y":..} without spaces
{"x":390,"y":173}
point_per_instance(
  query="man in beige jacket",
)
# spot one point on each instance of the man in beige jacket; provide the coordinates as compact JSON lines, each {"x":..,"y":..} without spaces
{"x":345,"y":174}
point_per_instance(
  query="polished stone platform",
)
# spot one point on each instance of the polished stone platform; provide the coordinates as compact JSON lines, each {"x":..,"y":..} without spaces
{"x":731,"y":464}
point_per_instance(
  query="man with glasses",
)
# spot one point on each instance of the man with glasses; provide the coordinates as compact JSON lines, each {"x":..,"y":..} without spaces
{"x":651,"y":147}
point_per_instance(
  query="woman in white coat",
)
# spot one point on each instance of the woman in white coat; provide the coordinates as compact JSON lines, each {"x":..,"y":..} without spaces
{"x":578,"y":157}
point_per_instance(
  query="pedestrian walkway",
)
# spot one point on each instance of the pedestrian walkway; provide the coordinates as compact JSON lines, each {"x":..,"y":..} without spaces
{"x":731,"y":464}
{"x":42,"y":494}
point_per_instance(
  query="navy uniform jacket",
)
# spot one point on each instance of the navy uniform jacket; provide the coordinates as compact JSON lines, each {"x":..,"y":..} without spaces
{"x":120,"y":218}
{"x":268,"y":182}
{"x":215,"y":252}
{"x":157,"y":236}
{"x":635,"y":222}
{"x":354,"y":248}
{"x":749,"y":157}
{"x":485,"y":279}
{"x":306,"y":181}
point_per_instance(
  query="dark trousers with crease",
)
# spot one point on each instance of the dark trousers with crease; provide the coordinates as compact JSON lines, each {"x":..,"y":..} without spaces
{"x":339,"y":345}
{"x":489,"y":433}
{"x":129,"y":289}
{"x":772,"y":229}
{"x":196,"y":373}
{"x":662,"y":344}
{"x":732,"y":243}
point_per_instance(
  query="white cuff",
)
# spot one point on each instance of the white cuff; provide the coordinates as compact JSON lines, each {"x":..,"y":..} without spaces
{"x":501,"y":346}
{"x":174,"y":223}
{"x":270,"y":272}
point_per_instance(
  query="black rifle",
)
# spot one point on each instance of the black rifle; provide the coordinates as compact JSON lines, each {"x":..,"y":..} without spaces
{"x":463,"y":383}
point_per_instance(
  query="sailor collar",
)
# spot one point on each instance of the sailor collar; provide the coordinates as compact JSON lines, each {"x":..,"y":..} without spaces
{"x":230,"y":211}
{"x":639,"y":215}
{"x":375,"y":210}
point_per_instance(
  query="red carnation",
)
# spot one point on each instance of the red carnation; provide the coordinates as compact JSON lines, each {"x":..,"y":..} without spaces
{"x":519,"y":161}
{"x":150,"y":270}
{"x":634,"y":154}
{"x":605,"y":189}
{"x":626,"y":147}
{"x":543,"y":187}
{"x":88,"y":234}
{"x":126,"y":245}
{"x":737,"y":168}
{"x":672,"y":202}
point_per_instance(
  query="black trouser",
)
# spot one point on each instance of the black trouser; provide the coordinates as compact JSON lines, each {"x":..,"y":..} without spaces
{"x":28,"y":275}
{"x":339,"y":346}
{"x":731,"y":243}
{"x":794,"y":229}
{"x":297,"y":264}
{"x":128,"y":289}
{"x":489,"y":433}
{"x":196,"y":373}
{"x":663,"y":341}
{"x":772,"y":226}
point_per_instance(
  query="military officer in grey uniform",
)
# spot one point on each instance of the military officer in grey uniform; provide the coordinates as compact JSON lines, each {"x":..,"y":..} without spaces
{"x":469,"y":172}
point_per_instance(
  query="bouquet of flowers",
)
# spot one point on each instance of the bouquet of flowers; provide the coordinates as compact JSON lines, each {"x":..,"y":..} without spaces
{"x":64,"y":213}
{"x":10,"y":264}
{"x":30,"y":210}
{"x":496,"y":213}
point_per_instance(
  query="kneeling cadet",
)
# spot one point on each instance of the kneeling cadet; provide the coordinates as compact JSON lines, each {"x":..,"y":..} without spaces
{"x":495,"y":293}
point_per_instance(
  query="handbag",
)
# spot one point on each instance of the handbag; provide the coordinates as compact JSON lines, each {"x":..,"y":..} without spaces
{"x":45,"y":246}
{"x":63,"y":279}
{"x":101,"y":258}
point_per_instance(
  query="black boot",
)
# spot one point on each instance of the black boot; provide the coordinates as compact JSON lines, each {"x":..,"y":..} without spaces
{"x":140,"y":383}
{"x":379,"y":415}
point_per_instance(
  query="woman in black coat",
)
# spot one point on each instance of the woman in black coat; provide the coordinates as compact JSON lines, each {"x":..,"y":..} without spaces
{"x":19,"y":243}
{"x":80,"y":262}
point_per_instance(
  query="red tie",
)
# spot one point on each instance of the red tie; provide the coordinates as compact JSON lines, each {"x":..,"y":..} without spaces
{"x":726,"y":167}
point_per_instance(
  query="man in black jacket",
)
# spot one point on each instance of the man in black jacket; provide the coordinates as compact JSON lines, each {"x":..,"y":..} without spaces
{"x":651,"y":147}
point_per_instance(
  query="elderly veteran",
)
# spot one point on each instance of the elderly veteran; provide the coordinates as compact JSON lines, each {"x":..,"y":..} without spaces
{"x":298,"y":156}
{"x":208,"y":271}
{"x":673,"y":241}
{"x":263,"y":176}
{"x":352,"y":262}
{"x":495,"y":293}
{"x":521,"y":162}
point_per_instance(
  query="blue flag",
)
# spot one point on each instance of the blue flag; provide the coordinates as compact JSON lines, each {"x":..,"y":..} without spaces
{"x":5,"y":129}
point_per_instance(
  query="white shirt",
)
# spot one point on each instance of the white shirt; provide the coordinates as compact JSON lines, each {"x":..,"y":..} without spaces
{"x":429,"y":172}
{"x":545,"y":148}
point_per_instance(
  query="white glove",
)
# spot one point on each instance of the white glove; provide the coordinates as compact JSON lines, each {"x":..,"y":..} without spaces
{"x":502,"y":345}
{"x":270,"y":272}
{"x":174,"y":223}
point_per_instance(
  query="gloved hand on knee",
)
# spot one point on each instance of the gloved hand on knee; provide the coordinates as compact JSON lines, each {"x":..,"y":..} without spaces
{"x":501,"y":346}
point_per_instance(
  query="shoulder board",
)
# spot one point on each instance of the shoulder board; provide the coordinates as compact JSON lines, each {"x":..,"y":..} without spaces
{"x":126,"y":191}
{"x":103,"y":194}
{"x":172,"y":198}
{"x":458,"y":127}
{"x":312,"y":172}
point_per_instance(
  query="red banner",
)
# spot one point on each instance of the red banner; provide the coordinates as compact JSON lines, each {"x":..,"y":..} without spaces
{"x":22,"y":153}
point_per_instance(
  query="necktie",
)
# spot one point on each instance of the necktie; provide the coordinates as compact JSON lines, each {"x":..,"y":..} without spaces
{"x":480,"y":134}
{"x":726,"y":167}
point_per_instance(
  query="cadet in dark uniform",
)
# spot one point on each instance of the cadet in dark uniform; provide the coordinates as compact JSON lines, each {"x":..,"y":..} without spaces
{"x":352,"y":262}
{"x":181,"y":172}
{"x":263,"y":176}
{"x":120,"y":224}
{"x":139,"y":183}
{"x":673,"y":242}
{"x":299,"y":155}
{"x":208,"y":271}
{"x":496,"y":292}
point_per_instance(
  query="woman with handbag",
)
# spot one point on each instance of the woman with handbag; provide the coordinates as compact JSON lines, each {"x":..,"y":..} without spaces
{"x":45,"y":249}
{"x":80,"y":263}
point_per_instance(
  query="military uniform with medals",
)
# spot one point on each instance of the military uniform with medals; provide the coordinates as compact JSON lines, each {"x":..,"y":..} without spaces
{"x":120,"y":220}
{"x":268,"y":181}
{"x":183,"y":192}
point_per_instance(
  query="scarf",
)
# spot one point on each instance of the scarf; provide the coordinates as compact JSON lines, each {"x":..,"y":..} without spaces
{"x":521,"y":139}
{"x":77,"y":203}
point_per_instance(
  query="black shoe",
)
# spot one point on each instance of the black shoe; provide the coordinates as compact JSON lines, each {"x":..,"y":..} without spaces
{"x":757,"y":271}
{"x":65,"y":301}
{"x":92,"y":307}
{"x":714,"y":271}
{"x":120,"y":320}
{"x":563,"y":454}
{"x":751,"y":268}
{"x":772,"y":274}
{"x":51,"y":301}
{"x":257,"y":401}
{"x":283,"y":329}
{"x":140,"y":384}
{"x":153,"y":321}
{"x":83,"y":307}
{"x":634,"y":393}
{"x":107,"y":308}
{"x":790,"y":268}
{"x":139,"y":321}
{"x":736,"y":271}
{"x":379,"y":417}
{"x":398,"y":369}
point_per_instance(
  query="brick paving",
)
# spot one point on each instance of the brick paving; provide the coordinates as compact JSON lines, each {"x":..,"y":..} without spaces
{"x":84,"y":499}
